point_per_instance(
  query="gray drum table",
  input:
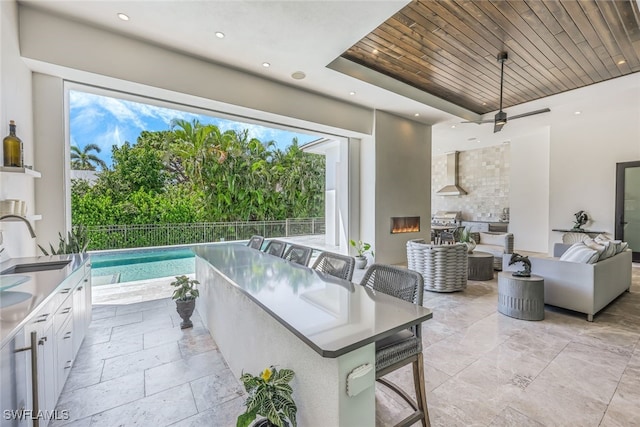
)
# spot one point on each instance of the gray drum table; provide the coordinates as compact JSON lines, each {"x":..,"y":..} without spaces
{"x":521,"y":297}
{"x":480,"y":266}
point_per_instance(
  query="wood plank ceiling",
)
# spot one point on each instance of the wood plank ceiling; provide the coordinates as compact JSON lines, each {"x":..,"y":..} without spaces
{"x":449,"y":47}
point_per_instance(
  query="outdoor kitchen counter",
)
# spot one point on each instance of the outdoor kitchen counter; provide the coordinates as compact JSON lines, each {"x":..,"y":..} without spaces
{"x":262,"y":310}
{"x":332,"y":316}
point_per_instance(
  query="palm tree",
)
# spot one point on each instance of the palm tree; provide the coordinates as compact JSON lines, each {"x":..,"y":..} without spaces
{"x":85,"y":160}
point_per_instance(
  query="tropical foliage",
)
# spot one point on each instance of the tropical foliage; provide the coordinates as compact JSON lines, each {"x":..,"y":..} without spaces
{"x":84,"y":159}
{"x":270,"y":396}
{"x":75,"y":242}
{"x":198,"y":173}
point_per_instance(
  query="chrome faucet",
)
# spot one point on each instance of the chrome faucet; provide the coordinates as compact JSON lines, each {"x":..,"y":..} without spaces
{"x":23,"y":219}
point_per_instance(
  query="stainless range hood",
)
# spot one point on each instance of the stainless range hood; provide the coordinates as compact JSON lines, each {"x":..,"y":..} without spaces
{"x":451,"y":188}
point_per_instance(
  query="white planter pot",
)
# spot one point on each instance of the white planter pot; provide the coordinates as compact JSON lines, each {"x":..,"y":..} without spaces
{"x":361,"y":262}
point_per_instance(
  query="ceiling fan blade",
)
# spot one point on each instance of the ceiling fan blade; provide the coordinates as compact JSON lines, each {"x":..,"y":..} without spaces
{"x":479,"y":122}
{"x":497,"y":127}
{"x":531,"y":113}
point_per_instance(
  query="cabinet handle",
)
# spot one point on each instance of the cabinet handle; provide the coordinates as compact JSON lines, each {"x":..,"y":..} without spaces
{"x":86,"y":280}
{"x":34,"y":374}
{"x":67,"y":336}
{"x":65,"y":291}
{"x":42,"y":318}
{"x":42,"y":341}
{"x":69,"y":365}
{"x":80,"y":287}
{"x":66,"y":310}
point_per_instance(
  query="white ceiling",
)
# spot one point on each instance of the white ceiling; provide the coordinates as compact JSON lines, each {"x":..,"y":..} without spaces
{"x":301,"y":35}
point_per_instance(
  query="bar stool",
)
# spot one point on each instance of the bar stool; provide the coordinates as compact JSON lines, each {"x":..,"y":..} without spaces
{"x":403,"y":347}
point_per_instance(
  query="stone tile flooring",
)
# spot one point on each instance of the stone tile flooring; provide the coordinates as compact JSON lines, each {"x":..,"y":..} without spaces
{"x":138,"y":368}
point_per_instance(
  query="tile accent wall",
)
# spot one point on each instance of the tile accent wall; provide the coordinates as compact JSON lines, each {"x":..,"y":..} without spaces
{"x":483,"y":174}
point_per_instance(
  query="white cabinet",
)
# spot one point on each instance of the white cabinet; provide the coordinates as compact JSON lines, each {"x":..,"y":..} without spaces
{"x":15,"y":394}
{"x":59,"y":326}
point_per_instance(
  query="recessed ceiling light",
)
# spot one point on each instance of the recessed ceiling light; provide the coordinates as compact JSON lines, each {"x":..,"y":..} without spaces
{"x":577,"y":113}
{"x":266,"y":65}
{"x":352,"y":93}
{"x":453,"y":126}
{"x":374,"y":51}
{"x":219,"y":35}
{"x":622,"y":61}
{"x":298,"y":75}
{"x":473,"y":138}
{"x":417,"y":114}
{"x":123,"y":16}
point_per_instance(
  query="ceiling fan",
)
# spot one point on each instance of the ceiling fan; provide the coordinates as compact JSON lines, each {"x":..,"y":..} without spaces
{"x":500,"y":118}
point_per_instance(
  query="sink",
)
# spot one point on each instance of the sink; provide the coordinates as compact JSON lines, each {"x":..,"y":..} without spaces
{"x":36,"y":266}
{"x":9,"y":298}
{"x":11,"y":281}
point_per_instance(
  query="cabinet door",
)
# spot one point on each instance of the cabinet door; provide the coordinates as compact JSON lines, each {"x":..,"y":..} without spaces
{"x":15,"y":389}
{"x":46,"y":372}
{"x":64,"y":353}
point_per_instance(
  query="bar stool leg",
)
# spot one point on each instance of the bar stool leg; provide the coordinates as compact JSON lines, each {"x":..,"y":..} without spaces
{"x":421,"y":394}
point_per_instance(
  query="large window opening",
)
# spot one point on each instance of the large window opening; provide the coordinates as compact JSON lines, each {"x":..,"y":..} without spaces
{"x":149,"y":175}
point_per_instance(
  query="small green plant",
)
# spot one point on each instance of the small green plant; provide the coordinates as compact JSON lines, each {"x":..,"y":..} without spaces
{"x":362,"y":248}
{"x":465,"y":235}
{"x":76,"y":242}
{"x":269,"y":397}
{"x":185,"y":288}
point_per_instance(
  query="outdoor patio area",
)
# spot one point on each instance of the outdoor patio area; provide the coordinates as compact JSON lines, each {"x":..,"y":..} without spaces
{"x":136,"y":366}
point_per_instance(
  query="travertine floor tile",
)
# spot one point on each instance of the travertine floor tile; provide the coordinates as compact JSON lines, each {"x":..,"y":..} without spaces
{"x":511,"y":418}
{"x":224,"y":414}
{"x":214,"y":389}
{"x":139,"y":361}
{"x":160,"y":409}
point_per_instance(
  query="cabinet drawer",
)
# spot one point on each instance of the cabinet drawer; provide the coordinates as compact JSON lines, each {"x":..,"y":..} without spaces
{"x":63,"y":313}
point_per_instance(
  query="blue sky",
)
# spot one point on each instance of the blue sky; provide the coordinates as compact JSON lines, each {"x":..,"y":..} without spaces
{"x":107,"y":121}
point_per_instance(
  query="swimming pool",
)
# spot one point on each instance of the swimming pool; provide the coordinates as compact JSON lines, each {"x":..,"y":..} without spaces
{"x":142,"y":264}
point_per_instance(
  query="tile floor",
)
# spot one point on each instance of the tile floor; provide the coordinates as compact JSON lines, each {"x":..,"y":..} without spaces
{"x":138,"y":368}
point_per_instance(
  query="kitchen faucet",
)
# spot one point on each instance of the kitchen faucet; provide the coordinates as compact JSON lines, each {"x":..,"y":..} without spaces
{"x":23,"y":219}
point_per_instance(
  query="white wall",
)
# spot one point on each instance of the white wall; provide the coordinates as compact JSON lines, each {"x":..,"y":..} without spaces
{"x":529,"y":191}
{"x":402,"y":182}
{"x":15,"y":104}
{"x":584,"y":151}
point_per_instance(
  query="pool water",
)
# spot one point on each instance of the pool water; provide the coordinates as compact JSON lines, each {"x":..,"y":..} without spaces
{"x":129,"y":266}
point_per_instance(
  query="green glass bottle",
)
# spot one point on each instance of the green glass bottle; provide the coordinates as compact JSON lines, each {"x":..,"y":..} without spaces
{"x":12,"y":148}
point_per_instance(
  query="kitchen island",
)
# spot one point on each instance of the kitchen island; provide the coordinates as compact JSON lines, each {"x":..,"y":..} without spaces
{"x":262,"y":310}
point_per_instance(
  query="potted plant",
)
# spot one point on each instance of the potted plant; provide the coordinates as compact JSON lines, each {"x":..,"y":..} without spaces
{"x":362,"y":248}
{"x":270,"y":398}
{"x":465,"y":237}
{"x":185,"y":296}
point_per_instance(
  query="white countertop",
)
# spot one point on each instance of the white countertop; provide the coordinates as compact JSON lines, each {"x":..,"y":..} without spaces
{"x":332,"y":316}
{"x":37,"y":287}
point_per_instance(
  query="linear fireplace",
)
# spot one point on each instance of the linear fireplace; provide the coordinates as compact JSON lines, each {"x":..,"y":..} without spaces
{"x":405,"y":224}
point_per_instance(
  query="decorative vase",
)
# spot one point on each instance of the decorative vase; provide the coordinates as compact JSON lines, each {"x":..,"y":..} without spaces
{"x":361,"y":262}
{"x":185,"y":310}
{"x":471,"y":245}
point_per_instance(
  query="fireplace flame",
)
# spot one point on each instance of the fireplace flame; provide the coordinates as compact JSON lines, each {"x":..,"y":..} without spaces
{"x":405,"y":224}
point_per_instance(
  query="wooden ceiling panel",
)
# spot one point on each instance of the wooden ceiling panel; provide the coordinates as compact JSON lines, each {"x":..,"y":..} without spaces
{"x":448,"y":47}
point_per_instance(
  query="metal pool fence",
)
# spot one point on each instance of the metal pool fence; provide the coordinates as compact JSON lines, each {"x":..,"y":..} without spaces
{"x":143,"y":235}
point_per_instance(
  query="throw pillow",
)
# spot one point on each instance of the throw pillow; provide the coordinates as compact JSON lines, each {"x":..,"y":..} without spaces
{"x":492,"y":239}
{"x":597,"y":246}
{"x":579,"y":252}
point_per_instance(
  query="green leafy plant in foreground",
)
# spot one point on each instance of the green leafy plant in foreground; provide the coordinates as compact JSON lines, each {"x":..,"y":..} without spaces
{"x":362,"y":248}
{"x":269,"y":397}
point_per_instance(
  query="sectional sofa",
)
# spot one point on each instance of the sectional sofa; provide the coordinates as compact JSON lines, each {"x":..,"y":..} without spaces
{"x":586,"y":288}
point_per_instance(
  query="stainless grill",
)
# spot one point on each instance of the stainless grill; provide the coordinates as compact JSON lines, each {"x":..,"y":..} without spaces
{"x":446,"y":218}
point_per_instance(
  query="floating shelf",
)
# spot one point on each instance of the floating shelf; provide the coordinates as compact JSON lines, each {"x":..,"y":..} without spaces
{"x":26,"y":171}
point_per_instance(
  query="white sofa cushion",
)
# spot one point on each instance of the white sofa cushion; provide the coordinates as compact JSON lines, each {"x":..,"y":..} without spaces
{"x":581,"y":253}
{"x":617,"y":246}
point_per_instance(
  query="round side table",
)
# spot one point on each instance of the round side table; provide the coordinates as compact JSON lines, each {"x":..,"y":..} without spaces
{"x":521,"y":297}
{"x":480,"y":266}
